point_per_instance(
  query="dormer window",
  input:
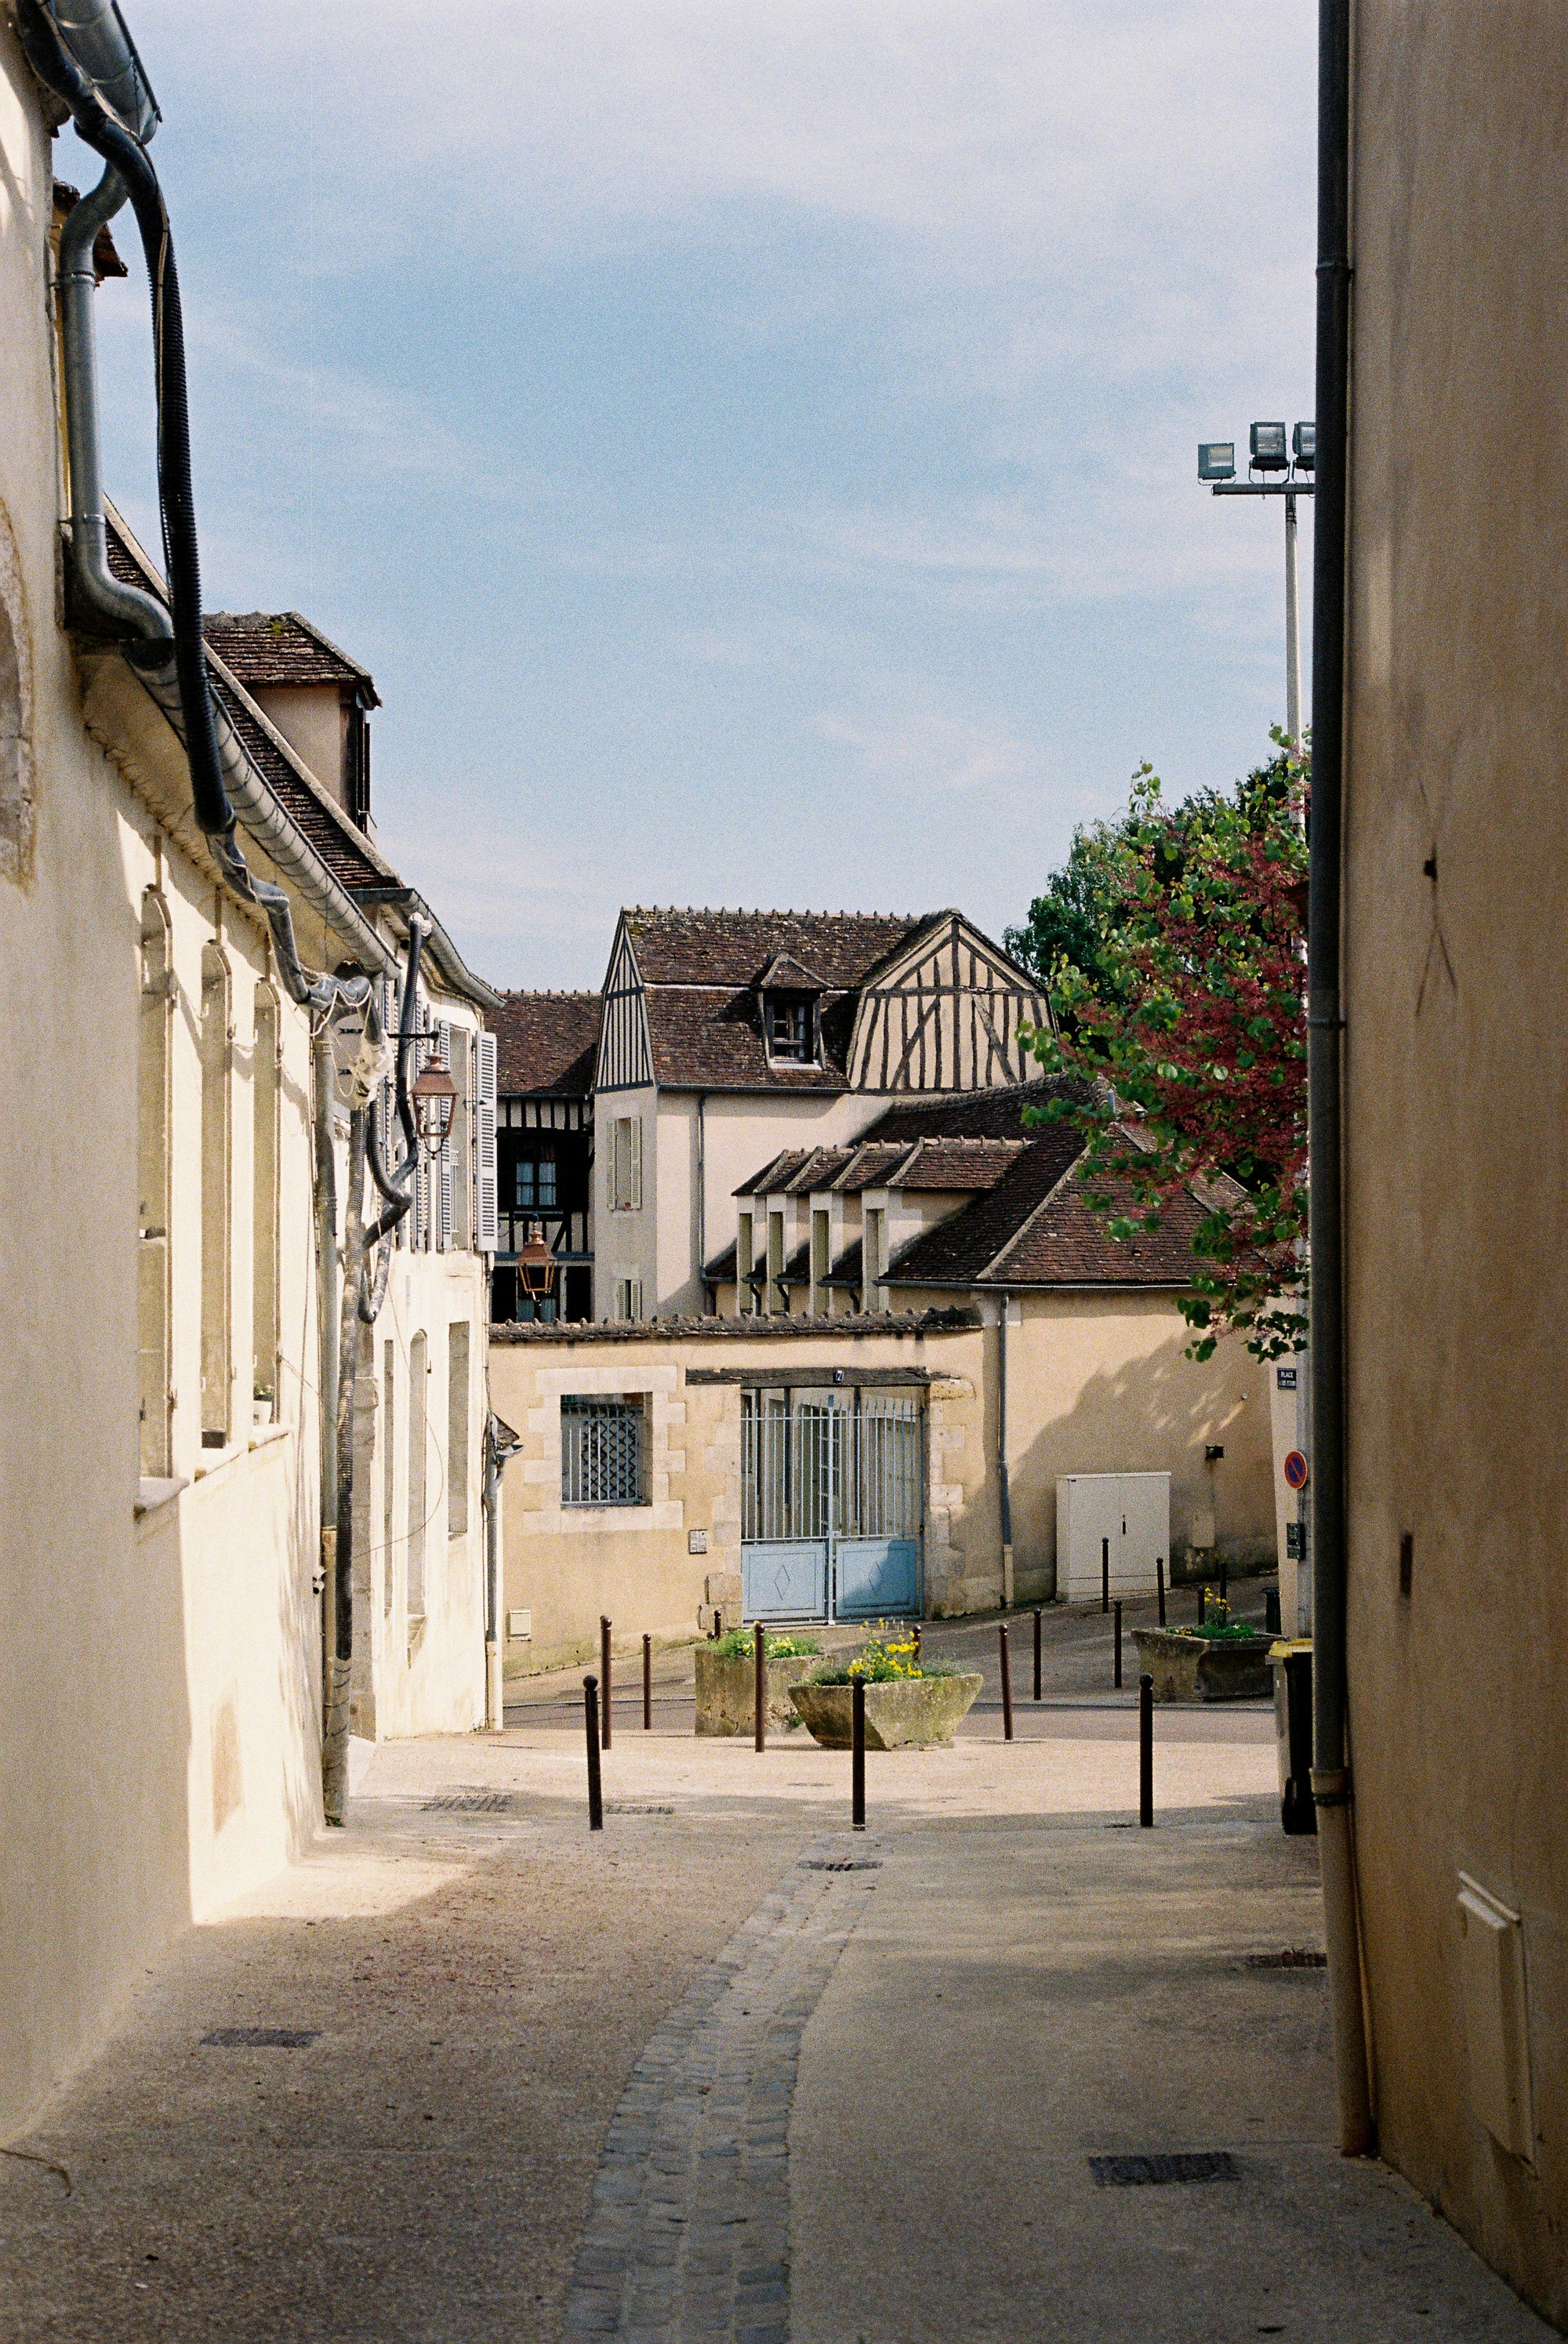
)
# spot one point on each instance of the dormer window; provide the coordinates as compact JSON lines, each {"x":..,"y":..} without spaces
{"x":790,"y":1021}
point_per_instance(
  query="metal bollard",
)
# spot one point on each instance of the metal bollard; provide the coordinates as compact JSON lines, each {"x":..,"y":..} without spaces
{"x":1145,"y":1751}
{"x":1117,"y":1610}
{"x":760,"y":1649}
{"x":1159,"y":1583}
{"x":1202,"y":1605}
{"x":647,"y":1684}
{"x":857,"y":1755}
{"x":1007,"y":1685}
{"x":590,"y":1719}
{"x":1271,"y":1613}
{"x":1105,"y":1575}
{"x":718,"y":1626}
{"x":604,"y":1671}
{"x":1036,"y":1652}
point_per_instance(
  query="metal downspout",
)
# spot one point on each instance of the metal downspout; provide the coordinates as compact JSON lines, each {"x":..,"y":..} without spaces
{"x":324,"y":1192}
{"x":95,"y":590}
{"x":493,"y":1689}
{"x":1005,"y":1490}
{"x":1331,"y":1787}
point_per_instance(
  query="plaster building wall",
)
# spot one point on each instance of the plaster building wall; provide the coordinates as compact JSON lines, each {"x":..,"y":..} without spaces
{"x":157,"y":1681}
{"x":1456,"y":940}
{"x":1097,"y":1383}
{"x":566,"y":1565}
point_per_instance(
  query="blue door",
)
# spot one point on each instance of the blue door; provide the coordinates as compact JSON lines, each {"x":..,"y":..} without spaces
{"x":831,"y":1505}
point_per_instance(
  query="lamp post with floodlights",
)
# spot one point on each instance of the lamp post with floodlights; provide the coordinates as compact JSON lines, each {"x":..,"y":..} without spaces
{"x":1269,"y":455}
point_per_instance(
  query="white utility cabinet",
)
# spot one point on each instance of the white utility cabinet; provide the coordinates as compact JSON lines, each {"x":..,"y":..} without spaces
{"x":1127,"y":1513}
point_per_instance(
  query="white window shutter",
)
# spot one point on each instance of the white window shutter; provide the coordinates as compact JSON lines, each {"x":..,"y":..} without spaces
{"x":487,"y":1231}
{"x":444,"y":1190}
{"x":636,"y":1182}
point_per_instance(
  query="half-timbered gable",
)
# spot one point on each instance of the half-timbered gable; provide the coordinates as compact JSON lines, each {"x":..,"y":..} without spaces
{"x":625,"y":1053}
{"x":942,"y":1012}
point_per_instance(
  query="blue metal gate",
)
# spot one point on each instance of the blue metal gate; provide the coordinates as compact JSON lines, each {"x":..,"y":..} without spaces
{"x":831,"y":1504}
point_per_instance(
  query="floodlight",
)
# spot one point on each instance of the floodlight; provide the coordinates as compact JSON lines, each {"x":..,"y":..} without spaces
{"x":1217,"y":460}
{"x":1304,"y":441}
{"x":1268,"y":447}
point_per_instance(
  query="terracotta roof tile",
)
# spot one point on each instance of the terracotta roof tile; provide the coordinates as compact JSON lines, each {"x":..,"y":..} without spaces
{"x":971,"y":1164}
{"x":707,"y":1036}
{"x":546,"y":1044}
{"x":733,"y":948}
{"x":996,"y":1113}
{"x":869,"y":1166}
{"x":266,"y":647}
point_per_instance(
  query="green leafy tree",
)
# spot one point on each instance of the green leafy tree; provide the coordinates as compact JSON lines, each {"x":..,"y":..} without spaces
{"x":1176,"y":978}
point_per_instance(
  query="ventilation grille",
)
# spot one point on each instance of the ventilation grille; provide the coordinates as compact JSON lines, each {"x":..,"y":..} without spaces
{"x":1293,"y":1957}
{"x":469,"y":1802}
{"x":1135,"y":2172}
{"x":261,"y":2038}
{"x":635,"y":1807}
{"x":841,"y":1863}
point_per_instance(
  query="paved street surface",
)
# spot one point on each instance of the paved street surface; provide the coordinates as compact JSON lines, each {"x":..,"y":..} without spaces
{"x":728,"y":2070}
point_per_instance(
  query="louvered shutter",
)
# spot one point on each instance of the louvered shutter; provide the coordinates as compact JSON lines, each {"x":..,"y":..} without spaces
{"x":636,"y":1181}
{"x":386,"y":1109}
{"x":486,"y":1233}
{"x":444,"y":1199}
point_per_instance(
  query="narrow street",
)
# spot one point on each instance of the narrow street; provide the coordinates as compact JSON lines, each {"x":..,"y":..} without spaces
{"x":729,"y":2070}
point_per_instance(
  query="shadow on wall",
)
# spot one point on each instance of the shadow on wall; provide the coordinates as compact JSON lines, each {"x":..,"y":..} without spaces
{"x":1158,"y":1414}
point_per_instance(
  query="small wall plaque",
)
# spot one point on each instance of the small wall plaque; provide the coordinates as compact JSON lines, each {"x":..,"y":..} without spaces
{"x":520,"y":1623}
{"x":1285,"y":1379}
{"x":1296,"y":1541}
{"x":696,"y":1542}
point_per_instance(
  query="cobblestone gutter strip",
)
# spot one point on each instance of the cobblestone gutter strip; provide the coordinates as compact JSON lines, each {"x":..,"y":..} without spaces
{"x":689,"y":2235}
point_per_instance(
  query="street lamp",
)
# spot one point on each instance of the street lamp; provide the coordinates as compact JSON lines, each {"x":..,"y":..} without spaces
{"x":1269,"y":455}
{"x":536,"y":1264}
{"x":435,"y":1096}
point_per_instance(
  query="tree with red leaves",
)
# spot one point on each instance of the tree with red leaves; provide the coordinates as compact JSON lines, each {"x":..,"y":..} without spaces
{"x":1188,"y":1013}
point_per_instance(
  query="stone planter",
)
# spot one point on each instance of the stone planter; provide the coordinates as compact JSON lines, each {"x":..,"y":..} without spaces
{"x":906,"y":1713}
{"x":1187,"y":1666}
{"x":726,"y":1691}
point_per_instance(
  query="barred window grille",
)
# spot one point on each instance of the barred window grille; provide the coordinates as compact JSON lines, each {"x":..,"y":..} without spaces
{"x":602,"y":1449}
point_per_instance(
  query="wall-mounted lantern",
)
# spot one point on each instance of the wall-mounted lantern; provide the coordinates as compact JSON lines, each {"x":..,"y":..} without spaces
{"x":435,"y":1098}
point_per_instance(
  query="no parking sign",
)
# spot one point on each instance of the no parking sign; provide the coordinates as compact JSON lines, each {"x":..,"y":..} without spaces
{"x":1297,"y":1470}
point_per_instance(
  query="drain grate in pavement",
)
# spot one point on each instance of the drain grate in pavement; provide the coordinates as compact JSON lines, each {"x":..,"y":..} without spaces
{"x":841,"y":1863}
{"x":261,"y":2038}
{"x":469,"y":1802}
{"x":1133,"y":2172}
{"x":635,"y":1807}
{"x":1293,"y":1957}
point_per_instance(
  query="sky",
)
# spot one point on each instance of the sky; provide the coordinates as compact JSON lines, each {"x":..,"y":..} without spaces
{"x":753,"y":446}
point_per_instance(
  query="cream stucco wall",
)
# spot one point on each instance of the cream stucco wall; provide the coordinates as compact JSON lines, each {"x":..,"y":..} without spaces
{"x":567,"y":1565}
{"x":159,"y":1679}
{"x":1097,"y":1383}
{"x":160,"y":1673}
{"x":1456,"y":940}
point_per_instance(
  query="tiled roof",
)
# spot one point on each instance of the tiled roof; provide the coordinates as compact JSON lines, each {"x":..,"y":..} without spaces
{"x":996,"y":1113}
{"x":733,"y":948}
{"x":266,"y":647}
{"x":708,"y":1036}
{"x":546,"y":1044}
{"x":869,"y":1166}
{"x":329,"y":831}
{"x":972,"y":1163}
{"x":774,"y":1174}
{"x":1035,"y":1227}
{"x":821,"y":1167}
{"x":1070,"y":1243}
{"x":784,"y":973}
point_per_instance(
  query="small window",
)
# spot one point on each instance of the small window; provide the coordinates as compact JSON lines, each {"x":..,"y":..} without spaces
{"x":626,"y":1165}
{"x":457,"y":1429}
{"x":603,"y":1446}
{"x":629,"y":1299}
{"x":537,"y":1190}
{"x":789,"y":1016}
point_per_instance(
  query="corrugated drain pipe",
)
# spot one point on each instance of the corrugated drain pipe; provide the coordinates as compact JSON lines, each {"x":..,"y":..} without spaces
{"x":1331,"y":1787}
